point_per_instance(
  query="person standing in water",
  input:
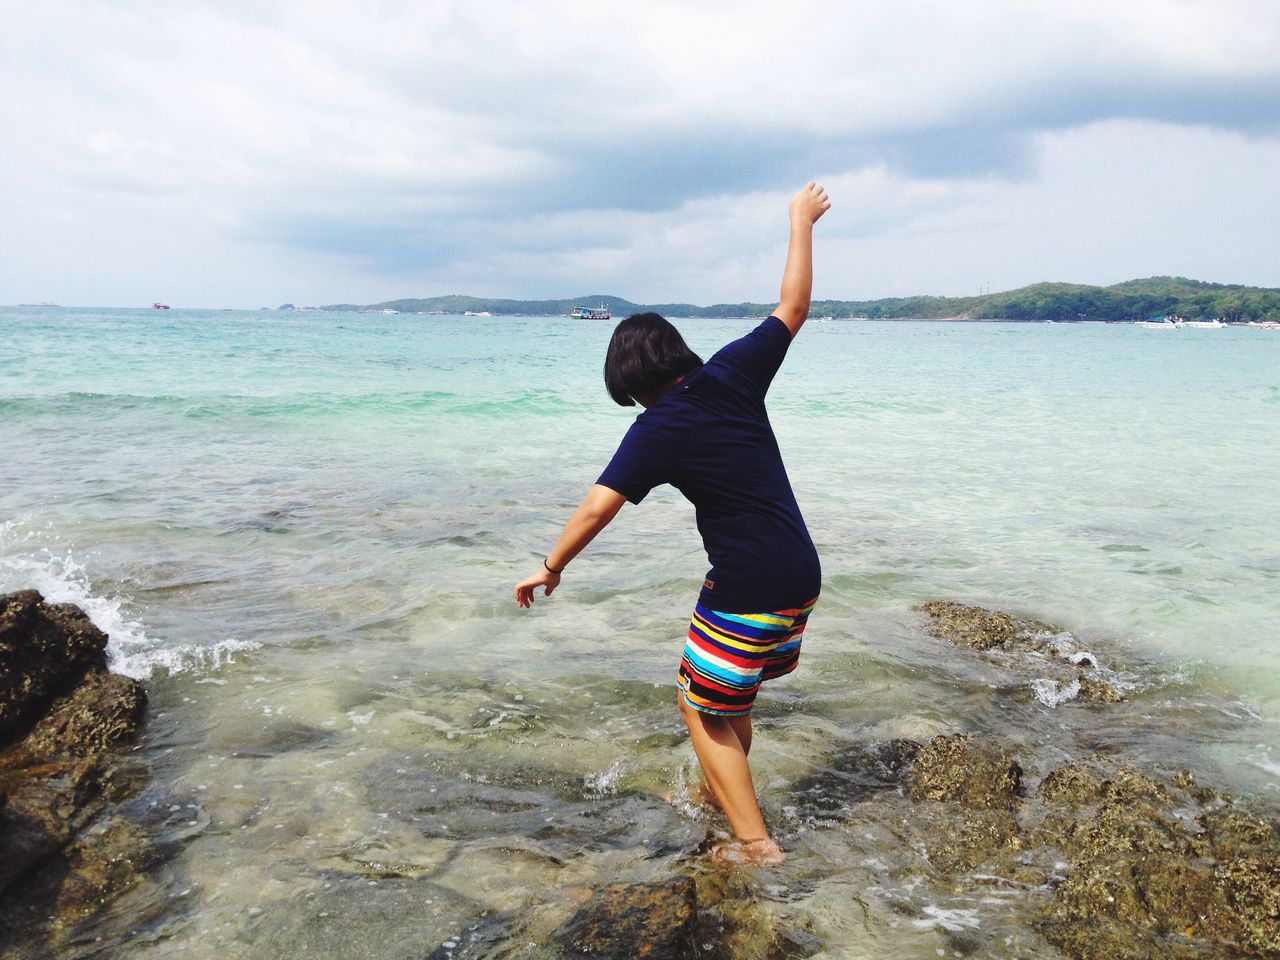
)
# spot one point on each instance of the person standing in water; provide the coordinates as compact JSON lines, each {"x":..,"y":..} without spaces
{"x":705,"y":431}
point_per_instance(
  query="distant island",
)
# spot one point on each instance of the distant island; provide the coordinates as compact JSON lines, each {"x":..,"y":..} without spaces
{"x":1058,"y":302}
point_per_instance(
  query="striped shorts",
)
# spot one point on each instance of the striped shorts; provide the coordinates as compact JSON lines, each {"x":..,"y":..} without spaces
{"x":728,"y":655}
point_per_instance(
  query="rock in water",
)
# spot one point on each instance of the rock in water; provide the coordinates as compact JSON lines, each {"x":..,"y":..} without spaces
{"x":1155,"y":868}
{"x":1145,"y":878}
{"x":44,"y":649}
{"x":61,"y":713}
{"x":979,"y":628}
{"x":626,"y":921}
{"x":974,"y":773}
{"x":101,"y":711}
{"x":1078,"y":674}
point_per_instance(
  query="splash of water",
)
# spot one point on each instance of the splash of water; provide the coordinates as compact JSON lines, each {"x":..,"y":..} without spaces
{"x":1052,"y":693}
{"x":60,"y":578}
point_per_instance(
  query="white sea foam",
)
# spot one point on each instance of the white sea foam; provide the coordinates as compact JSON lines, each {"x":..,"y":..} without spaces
{"x":61,"y":579}
{"x":1063,"y":646}
{"x":953,"y":920}
{"x":1052,"y":693}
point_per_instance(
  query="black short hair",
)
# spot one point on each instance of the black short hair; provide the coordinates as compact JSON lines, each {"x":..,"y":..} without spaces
{"x":645,"y":354}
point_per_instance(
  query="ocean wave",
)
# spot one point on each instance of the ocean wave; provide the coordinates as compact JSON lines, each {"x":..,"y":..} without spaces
{"x":130,"y":650}
{"x":205,"y":407}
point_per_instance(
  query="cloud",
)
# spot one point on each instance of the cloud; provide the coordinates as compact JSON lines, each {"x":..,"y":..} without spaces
{"x":337,"y":151}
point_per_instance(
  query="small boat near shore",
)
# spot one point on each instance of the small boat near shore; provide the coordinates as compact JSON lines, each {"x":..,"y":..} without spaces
{"x":1209,"y":323}
{"x":591,"y":313}
{"x":1160,"y":323}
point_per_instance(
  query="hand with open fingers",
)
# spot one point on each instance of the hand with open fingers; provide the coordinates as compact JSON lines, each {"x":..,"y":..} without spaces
{"x":809,"y":203}
{"x":543,"y":578}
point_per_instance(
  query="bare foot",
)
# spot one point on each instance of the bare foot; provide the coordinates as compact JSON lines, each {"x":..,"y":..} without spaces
{"x":763,"y":852}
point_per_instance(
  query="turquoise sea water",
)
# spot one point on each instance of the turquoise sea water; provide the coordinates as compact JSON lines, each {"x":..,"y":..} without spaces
{"x":312,"y":523}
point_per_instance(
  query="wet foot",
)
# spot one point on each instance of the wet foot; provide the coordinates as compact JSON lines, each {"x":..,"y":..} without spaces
{"x":763,"y":852}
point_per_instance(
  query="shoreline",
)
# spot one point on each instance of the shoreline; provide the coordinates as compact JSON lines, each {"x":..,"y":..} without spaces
{"x":995,"y":831}
{"x":148,"y":313}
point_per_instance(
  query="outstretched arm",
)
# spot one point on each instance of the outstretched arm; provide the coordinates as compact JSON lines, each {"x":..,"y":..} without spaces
{"x":593,"y":514}
{"x":797,"y":277}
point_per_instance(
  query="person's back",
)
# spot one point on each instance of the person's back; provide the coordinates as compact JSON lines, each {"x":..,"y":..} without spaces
{"x":710,"y":437}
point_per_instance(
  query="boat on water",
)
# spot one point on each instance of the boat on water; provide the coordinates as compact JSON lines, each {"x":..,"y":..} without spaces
{"x":1206,"y":324}
{"x":1160,"y":323}
{"x":476,"y":313}
{"x":591,"y":313}
{"x":159,"y":306}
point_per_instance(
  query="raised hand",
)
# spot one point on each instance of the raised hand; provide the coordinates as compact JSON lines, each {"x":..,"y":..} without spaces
{"x":809,"y":203}
{"x":797,"y":276}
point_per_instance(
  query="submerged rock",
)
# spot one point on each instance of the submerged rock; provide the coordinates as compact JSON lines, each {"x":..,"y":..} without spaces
{"x":853,"y":775}
{"x":44,"y":650}
{"x":1095,"y":690}
{"x":1148,"y":877}
{"x":962,"y":769}
{"x":978,"y":628}
{"x":348,"y":916}
{"x":623,"y":921}
{"x":1077,"y":674}
{"x":976,"y":785}
{"x":62,"y":853}
{"x":1139,"y":876}
{"x":1075,"y":785}
{"x":714,"y":914}
{"x":1142,"y":870}
{"x":1155,"y":867}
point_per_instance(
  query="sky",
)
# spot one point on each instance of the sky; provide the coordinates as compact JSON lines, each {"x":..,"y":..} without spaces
{"x":245,"y":154}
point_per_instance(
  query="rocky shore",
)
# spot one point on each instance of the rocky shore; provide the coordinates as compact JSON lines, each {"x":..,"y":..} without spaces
{"x":1110,"y":862}
{"x":65,"y":848}
{"x":1117,"y":865}
{"x":1067,"y":846}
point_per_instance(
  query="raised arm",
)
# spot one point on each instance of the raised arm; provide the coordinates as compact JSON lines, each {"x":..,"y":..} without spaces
{"x":593,"y":514}
{"x":797,"y":277}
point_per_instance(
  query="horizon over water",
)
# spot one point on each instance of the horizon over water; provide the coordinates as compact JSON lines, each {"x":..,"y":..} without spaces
{"x":302,"y":530}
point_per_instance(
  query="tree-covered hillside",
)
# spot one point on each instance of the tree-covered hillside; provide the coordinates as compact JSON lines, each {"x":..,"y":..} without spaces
{"x":1061,"y":302}
{"x":1065,"y":302}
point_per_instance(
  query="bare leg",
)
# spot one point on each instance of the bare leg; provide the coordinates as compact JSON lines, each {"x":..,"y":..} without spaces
{"x":702,"y":792}
{"x":742,"y":727}
{"x":718,"y":742}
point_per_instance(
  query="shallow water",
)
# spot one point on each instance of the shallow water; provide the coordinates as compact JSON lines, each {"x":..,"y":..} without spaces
{"x":303,"y":530}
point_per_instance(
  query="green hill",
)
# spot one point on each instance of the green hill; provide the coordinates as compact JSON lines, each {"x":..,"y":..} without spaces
{"x":1060,"y":302}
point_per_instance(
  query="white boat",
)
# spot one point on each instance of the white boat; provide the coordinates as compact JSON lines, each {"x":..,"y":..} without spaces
{"x":476,"y":313}
{"x":1160,"y":323}
{"x":591,"y":313}
{"x":1213,"y":324}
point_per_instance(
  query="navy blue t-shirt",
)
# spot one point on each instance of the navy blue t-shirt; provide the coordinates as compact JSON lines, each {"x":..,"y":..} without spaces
{"x":710,"y":438}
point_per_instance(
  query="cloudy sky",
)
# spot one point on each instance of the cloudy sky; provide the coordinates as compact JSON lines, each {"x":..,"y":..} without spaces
{"x":250,"y":153}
